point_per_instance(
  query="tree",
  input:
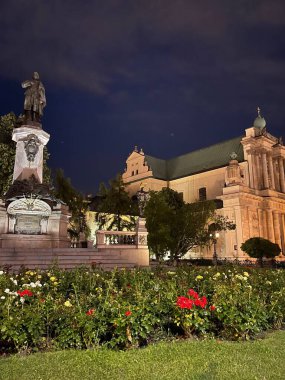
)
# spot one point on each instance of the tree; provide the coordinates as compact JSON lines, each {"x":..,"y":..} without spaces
{"x":8,"y":151}
{"x":174,"y":227}
{"x":260,"y":248}
{"x":76,"y":204}
{"x":117,"y":210}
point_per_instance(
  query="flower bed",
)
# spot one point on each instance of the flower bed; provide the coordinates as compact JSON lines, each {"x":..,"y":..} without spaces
{"x":129,"y":308}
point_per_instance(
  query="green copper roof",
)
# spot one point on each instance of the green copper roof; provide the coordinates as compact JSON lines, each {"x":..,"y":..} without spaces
{"x":201,"y":160}
{"x":157,"y":166}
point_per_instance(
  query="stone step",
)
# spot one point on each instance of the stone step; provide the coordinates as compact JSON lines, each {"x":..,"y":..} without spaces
{"x":68,"y":258}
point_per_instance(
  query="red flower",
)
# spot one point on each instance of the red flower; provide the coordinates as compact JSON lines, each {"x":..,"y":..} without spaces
{"x":25,"y":292}
{"x":90,"y":312}
{"x":203,"y":302}
{"x":197,"y":302}
{"x":184,"y":302}
{"x":192,"y":293}
{"x":212,"y":307}
{"x":128,"y":313}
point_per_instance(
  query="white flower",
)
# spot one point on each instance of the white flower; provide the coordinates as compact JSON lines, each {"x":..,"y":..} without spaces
{"x":1,"y":272}
{"x":7,"y":290}
{"x":246,"y":274}
{"x":2,"y":297}
{"x":14,"y":281}
{"x":22,"y":299}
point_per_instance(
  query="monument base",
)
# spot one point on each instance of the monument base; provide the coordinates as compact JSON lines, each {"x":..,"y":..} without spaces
{"x":32,"y":241}
{"x":35,"y":226}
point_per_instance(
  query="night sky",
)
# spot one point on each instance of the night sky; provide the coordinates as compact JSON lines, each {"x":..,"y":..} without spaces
{"x":168,"y":76}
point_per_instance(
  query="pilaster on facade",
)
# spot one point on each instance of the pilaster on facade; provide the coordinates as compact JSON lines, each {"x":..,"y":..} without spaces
{"x":276,"y":226}
{"x":281,"y":174}
{"x":282,"y":229}
{"x":278,"y":154}
{"x":271,"y":172}
{"x":269,"y":219}
{"x":250,"y":169}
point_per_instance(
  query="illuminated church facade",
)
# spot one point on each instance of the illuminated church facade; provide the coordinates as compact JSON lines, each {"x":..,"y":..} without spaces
{"x":245,"y":175}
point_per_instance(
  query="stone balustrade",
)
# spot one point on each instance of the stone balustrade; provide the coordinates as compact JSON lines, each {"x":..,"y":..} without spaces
{"x":116,"y":238}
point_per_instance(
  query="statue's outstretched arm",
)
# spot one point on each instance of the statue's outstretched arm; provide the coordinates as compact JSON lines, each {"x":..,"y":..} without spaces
{"x":26,"y":83}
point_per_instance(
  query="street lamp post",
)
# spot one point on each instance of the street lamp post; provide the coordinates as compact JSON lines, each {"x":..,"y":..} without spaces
{"x":215,"y":239}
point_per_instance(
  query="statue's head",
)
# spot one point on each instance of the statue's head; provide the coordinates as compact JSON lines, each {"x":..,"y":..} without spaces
{"x":36,"y":76}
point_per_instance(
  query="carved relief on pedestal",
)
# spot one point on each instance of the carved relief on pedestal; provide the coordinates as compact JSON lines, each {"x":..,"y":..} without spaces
{"x":142,"y":239}
{"x":28,"y":216}
{"x":32,"y":144}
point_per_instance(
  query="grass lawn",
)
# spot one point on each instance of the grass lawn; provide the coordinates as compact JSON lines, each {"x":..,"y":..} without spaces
{"x":260,"y":359}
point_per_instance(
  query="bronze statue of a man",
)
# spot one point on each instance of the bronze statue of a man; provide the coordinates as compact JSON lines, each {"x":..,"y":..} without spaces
{"x":35,"y":98}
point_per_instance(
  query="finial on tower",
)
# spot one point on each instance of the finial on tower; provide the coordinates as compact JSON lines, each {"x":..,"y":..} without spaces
{"x":259,"y":122}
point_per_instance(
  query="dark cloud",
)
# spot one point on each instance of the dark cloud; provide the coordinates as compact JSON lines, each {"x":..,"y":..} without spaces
{"x":144,"y":69}
{"x":90,"y":43}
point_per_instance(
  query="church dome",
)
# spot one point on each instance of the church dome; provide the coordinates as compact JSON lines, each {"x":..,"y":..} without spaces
{"x":259,"y":122}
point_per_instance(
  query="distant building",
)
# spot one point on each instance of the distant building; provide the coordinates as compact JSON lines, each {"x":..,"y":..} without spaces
{"x":246,"y":173}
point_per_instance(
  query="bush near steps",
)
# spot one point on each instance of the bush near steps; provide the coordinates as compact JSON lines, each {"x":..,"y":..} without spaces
{"x":83,"y":308}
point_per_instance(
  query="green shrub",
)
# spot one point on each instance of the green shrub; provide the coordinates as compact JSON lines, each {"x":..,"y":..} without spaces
{"x":260,"y":248}
{"x":129,"y":308}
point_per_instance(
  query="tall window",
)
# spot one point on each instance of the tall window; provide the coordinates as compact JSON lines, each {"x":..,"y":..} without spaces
{"x":202,"y":194}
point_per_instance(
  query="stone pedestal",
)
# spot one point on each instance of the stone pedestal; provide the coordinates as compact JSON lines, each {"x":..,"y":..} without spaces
{"x":39,"y":227}
{"x":30,"y":140}
{"x":30,"y":216}
{"x":141,"y":233}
